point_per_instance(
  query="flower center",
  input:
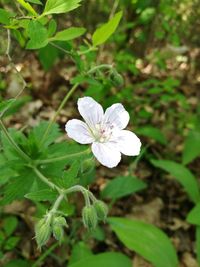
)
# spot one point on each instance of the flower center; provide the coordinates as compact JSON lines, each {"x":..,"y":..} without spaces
{"x":102,"y":132}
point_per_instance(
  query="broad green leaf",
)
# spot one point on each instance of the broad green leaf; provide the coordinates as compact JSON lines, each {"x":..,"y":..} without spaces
{"x":145,"y":239}
{"x":42,"y":195}
{"x":191,"y":147}
{"x":193,"y":216}
{"x":60,"y":6}
{"x":153,"y":133}
{"x":27,"y":6}
{"x":182,"y":175}
{"x":111,"y":259}
{"x":101,"y":35}
{"x":9,"y":225}
{"x":46,"y":60}
{"x":38,"y":35}
{"x":5,"y":16}
{"x":122,"y":186}
{"x":79,"y":251}
{"x":68,"y":34}
{"x":11,"y":242}
{"x":37,"y":2}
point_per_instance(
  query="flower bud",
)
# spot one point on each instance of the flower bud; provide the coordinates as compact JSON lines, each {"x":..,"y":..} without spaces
{"x":43,"y":231}
{"x":116,"y":78}
{"x":57,"y":227}
{"x":89,"y":217}
{"x":101,"y":209}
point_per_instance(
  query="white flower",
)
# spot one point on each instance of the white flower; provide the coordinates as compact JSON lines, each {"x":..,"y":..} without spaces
{"x":104,"y":131}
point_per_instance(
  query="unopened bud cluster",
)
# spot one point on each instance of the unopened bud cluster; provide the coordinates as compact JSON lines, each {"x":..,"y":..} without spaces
{"x":93,"y":213}
{"x":48,"y":225}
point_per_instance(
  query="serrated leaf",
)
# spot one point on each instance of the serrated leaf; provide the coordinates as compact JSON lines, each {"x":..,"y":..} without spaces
{"x":193,"y":216}
{"x":38,"y":35}
{"x":147,"y":240}
{"x":60,"y":6}
{"x":27,"y":6}
{"x":191,"y":147}
{"x":111,"y":259}
{"x":122,"y":186}
{"x":182,"y":175}
{"x":17,"y":188}
{"x":68,"y":34}
{"x":69,"y":177}
{"x":153,"y":133}
{"x":101,"y":35}
{"x":42,"y":195}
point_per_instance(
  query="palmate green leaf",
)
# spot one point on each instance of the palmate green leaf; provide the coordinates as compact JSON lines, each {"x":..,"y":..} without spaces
{"x":145,"y":239}
{"x":68,"y":34}
{"x":153,"y":133}
{"x":193,"y":216}
{"x":42,"y":195}
{"x":69,"y":177}
{"x":17,"y":187}
{"x":60,"y":6}
{"x":38,"y":35}
{"x":122,"y":186}
{"x":101,"y":35}
{"x":182,"y":175}
{"x":191,"y":147}
{"x":111,"y":259}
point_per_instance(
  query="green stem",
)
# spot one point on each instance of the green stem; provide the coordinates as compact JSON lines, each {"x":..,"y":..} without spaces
{"x":71,"y":91}
{"x":92,"y":48}
{"x":102,"y":66}
{"x":46,"y":180}
{"x":12,"y":142}
{"x":69,"y":156}
{"x":40,"y":260}
{"x":57,"y":203}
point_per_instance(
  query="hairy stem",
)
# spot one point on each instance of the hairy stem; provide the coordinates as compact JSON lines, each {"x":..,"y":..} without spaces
{"x":71,"y":91}
{"x":12,"y":142}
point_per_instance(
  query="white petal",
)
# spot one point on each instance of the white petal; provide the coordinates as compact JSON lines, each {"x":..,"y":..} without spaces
{"x":90,"y":110}
{"x":117,"y":116}
{"x":79,"y":131}
{"x":129,"y":144}
{"x":107,"y":154}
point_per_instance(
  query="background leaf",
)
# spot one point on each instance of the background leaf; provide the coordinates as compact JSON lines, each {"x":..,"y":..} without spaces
{"x":193,"y":216}
{"x":191,"y":147}
{"x":60,"y":6}
{"x":106,"y":30}
{"x":147,"y":240}
{"x":122,"y":186}
{"x":110,"y":259}
{"x":153,"y":133}
{"x":182,"y":175}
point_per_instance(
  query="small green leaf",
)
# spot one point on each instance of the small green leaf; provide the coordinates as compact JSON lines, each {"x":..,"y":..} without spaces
{"x":153,"y":133}
{"x":52,"y":27}
{"x":101,"y":35}
{"x":147,"y":240}
{"x":111,"y":259}
{"x":60,"y":6}
{"x":9,"y":225}
{"x":122,"y":186}
{"x":183,"y":176}
{"x":68,"y":34}
{"x":193,"y":216}
{"x":191,"y":147}
{"x":11,"y":242}
{"x":38,"y":35}
{"x":69,"y":177}
{"x":5,"y":16}
{"x":28,"y":7}
{"x":42,"y":195}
